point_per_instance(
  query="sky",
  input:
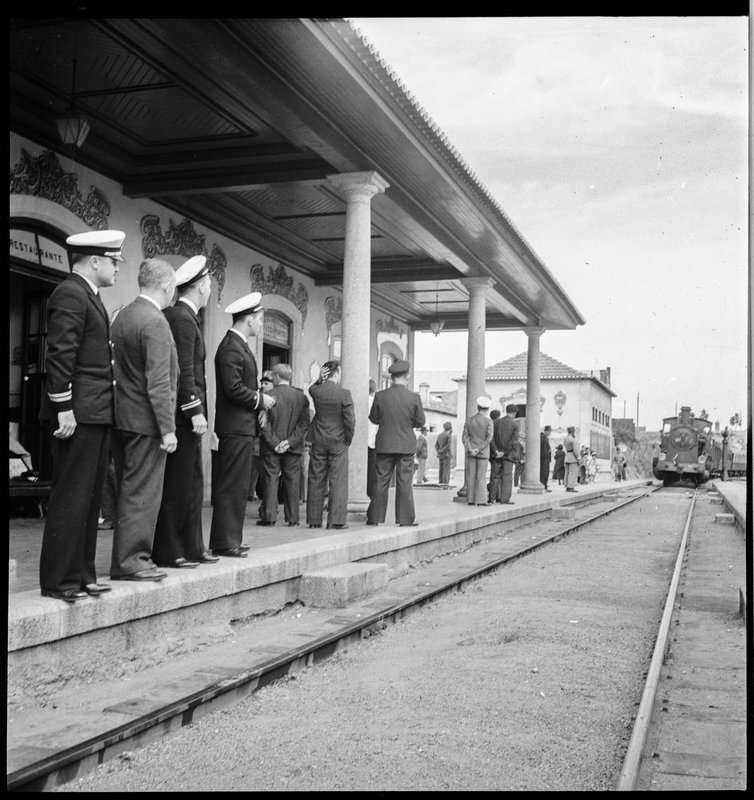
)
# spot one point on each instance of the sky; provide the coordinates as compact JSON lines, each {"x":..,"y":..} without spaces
{"x":618,"y":147}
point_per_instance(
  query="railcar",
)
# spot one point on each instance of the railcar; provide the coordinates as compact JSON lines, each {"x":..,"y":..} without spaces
{"x":736,"y":460}
{"x":684,"y":450}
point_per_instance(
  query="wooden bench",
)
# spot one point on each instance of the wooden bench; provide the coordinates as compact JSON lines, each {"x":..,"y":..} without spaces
{"x":39,"y":491}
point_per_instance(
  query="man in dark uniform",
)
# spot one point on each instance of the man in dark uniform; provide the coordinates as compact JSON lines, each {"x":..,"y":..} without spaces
{"x":397,"y":411}
{"x":545,"y":456}
{"x":444,"y":445}
{"x":331,"y":433}
{"x":79,"y":402}
{"x":237,"y":404}
{"x":282,"y":446}
{"x":178,"y":539}
{"x":504,"y":447}
{"x":146,"y":374}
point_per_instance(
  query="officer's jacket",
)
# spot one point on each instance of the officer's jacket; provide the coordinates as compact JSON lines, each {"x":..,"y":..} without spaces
{"x":238,"y":395}
{"x":192,"y":384}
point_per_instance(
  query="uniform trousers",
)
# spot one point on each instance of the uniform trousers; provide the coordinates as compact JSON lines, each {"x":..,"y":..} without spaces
{"x":496,"y":479}
{"x":384,"y":466}
{"x":178,"y":533}
{"x":506,"y":481}
{"x":544,"y":472}
{"x":444,"y":475}
{"x":234,"y":458}
{"x":69,"y":542}
{"x":273,"y":464}
{"x":328,"y":471}
{"x":139,"y":471}
{"x":476,"y":480}
{"x":571,"y":474}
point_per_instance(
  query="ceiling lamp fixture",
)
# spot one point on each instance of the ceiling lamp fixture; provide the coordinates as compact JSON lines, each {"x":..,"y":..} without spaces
{"x":436,"y":325}
{"x":73,"y":126}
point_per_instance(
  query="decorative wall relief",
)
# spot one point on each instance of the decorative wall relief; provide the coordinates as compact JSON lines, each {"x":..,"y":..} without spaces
{"x":519,"y":398}
{"x":560,"y":401}
{"x":44,"y":177}
{"x":279,"y":282}
{"x":391,"y":326}
{"x":333,"y":313}
{"x":184,"y":241}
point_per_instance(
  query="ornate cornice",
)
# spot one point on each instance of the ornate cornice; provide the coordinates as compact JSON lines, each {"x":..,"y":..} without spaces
{"x":184,"y":241}
{"x":391,"y":326}
{"x":43,"y":176}
{"x":280,"y":283}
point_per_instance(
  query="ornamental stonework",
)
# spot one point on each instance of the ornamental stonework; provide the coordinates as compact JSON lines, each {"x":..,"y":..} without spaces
{"x":43,"y":176}
{"x":333,"y":311}
{"x":277,"y":281}
{"x":182,"y":240}
{"x":391,"y":326}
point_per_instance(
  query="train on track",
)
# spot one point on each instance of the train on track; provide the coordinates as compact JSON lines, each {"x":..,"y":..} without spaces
{"x":691,"y":453}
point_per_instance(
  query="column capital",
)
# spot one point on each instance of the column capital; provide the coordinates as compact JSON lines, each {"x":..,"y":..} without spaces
{"x":355,"y":184}
{"x":475,"y":285}
{"x":535,"y":331}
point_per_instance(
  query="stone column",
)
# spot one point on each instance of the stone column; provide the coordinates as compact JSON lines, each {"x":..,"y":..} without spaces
{"x":475,"y":357}
{"x":530,"y":483}
{"x":357,"y":188}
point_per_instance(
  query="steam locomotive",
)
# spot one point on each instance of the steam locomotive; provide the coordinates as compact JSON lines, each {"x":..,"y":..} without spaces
{"x":685,"y":451}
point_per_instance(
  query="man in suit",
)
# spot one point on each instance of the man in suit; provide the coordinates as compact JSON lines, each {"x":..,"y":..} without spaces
{"x":146,"y":375}
{"x":476,"y":438}
{"x":571,"y":447}
{"x":444,"y":448}
{"x":496,"y":466}
{"x":79,"y":402}
{"x":504,"y":447}
{"x":237,"y":405}
{"x":421,"y":456}
{"x":545,"y":456}
{"x":178,"y":540}
{"x":282,"y":446}
{"x":397,"y":411}
{"x":371,"y":440}
{"x":331,"y":433}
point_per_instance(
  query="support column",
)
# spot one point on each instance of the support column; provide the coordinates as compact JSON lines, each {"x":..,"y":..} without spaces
{"x":530,"y":483}
{"x":475,"y":356}
{"x":357,"y":188}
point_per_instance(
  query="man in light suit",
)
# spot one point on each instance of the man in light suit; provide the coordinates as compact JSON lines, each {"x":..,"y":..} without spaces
{"x":476,"y":438}
{"x":397,"y":411}
{"x":282,"y":446}
{"x":178,"y":540}
{"x":504,"y":447}
{"x":331,"y":433}
{"x":146,"y":374}
{"x":79,"y":403}
{"x":571,"y":447}
{"x":421,"y":457}
{"x":237,"y":405}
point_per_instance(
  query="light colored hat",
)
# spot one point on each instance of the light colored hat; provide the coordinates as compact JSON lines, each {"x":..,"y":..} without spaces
{"x":97,"y":243}
{"x":191,"y":271}
{"x":483,"y":402}
{"x":246,"y":304}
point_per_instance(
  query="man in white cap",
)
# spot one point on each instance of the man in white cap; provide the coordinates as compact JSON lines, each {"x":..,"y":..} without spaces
{"x":476,"y":438}
{"x":79,"y":403}
{"x":237,"y":405}
{"x":146,"y":373}
{"x":178,"y":540}
{"x":398,"y":412}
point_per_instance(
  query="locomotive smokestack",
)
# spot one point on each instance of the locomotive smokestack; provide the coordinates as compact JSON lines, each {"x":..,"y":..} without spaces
{"x":685,"y":413}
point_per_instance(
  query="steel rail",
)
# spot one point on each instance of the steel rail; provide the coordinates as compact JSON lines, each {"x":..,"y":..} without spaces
{"x":632,"y":760}
{"x":31,"y":776}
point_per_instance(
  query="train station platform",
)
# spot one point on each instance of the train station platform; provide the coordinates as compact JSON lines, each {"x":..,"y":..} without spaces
{"x":51,"y":642}
{"x":734,"y":498}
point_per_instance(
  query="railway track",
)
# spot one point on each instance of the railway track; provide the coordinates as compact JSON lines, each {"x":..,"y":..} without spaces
{"x":72,"y":762}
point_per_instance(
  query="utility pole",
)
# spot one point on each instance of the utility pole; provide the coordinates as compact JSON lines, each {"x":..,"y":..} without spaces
{"x":637,"y":409}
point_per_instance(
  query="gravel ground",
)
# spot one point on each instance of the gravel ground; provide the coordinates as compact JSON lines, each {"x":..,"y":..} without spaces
{"x":525,"y":680}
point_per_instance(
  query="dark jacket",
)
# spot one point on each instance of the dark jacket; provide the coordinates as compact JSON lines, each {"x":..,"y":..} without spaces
{"x":192,"y":384}
{"x":334,"y":417}
{"x":146,"y":370}
{"x":398,"y":411}
{"x":238,"y":397}
{"x":287,"y":419}
{"x":505,"y":438}
{"x":79,"y":361}
{"x":545,"y":451}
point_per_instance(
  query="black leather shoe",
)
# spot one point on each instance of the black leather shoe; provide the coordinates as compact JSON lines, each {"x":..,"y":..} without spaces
{"x":244,"y":547}
{"x":373,"y":523}
{"x":315,"y":526}
{"x":293,"y":524}
{"x":96,"y":588}
{"x":264,"y":522}
{"x":414,"y":524}
{"x":69,"y":595}
{"x":572,"y":490}
{"x":141,"y":575}
{"x":207,"y":558}
{"x":105,"y":525}
{"x":509,"y":503}
{"x":337,"y":527}
{"x":178,"y":563}
{"x":233,"y":552}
